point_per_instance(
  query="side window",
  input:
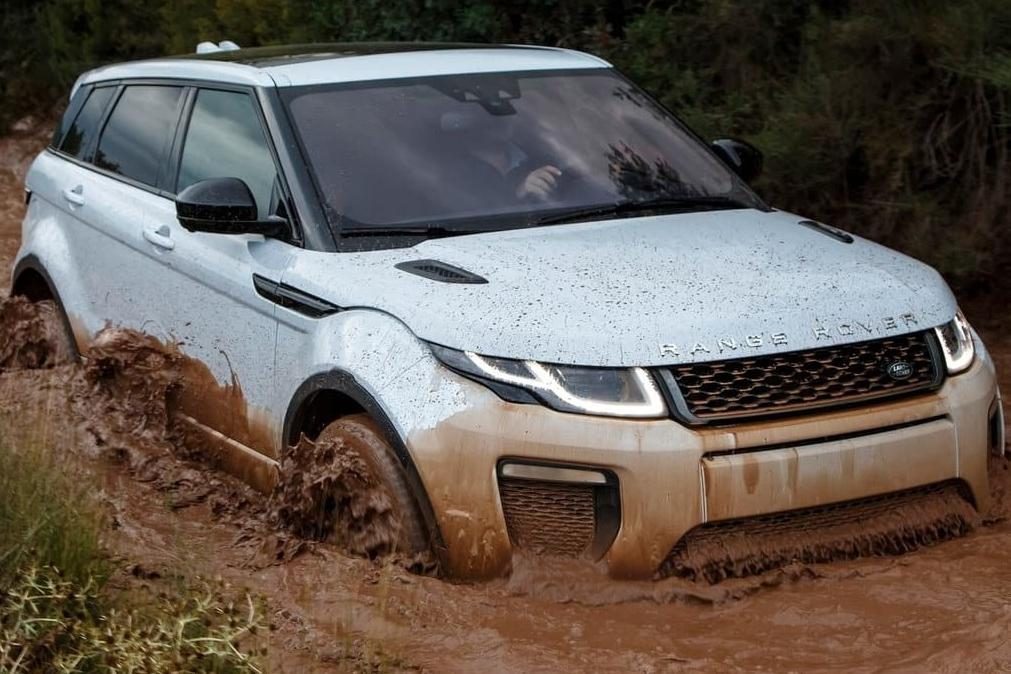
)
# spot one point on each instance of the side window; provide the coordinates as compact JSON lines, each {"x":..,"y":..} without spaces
{"x":85,"y":124}
{"x":138,"y":132}
{"x":225,"y":140}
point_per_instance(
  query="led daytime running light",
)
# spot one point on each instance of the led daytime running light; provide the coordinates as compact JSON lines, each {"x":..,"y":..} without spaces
{"x":544,"y":380}
{"x":960,"y":355}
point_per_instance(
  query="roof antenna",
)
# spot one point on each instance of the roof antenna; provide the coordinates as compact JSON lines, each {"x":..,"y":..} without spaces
{"x":211,"y":48}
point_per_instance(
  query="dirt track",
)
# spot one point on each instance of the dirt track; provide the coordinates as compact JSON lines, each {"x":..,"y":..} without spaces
{"x":946,"y":608}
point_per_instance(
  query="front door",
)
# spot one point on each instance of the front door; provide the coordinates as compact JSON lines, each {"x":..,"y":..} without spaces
{"x":206,"y":298}
{"x":192,"y":291}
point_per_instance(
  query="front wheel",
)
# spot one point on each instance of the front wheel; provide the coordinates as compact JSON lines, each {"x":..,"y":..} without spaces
{"x":348,"y":487}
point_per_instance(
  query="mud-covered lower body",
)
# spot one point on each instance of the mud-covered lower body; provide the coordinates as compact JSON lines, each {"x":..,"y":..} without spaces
{"x":504,"y":478}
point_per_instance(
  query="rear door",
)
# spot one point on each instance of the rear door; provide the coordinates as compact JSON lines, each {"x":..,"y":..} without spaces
{"x":109,"y":187}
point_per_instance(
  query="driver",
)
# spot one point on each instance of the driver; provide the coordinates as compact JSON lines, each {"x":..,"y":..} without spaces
{"x":490,"y":156}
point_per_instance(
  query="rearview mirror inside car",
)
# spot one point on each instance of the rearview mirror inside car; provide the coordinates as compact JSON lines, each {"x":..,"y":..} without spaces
{"x":744,"y":158}
{"x":224,"y":206}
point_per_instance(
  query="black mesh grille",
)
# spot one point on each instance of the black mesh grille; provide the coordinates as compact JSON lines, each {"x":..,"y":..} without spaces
{"x":804,"y":380}
{"x":549,"y":518}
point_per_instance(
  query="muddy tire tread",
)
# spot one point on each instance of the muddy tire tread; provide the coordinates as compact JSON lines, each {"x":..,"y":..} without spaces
{"x":370,"y":442}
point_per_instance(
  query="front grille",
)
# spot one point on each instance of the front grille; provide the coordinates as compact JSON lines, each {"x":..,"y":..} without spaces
{"x":803,"y":380}
{"x":548,"y":518}
{"x":889,"y":524}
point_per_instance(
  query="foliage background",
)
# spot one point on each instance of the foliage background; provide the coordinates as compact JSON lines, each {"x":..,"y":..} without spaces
{"x":890,"y":119}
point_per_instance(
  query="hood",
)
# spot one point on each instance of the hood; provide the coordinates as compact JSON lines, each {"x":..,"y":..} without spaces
{"x":645,"y":291}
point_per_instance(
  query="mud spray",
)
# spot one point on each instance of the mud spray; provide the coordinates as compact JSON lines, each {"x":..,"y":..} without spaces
{"x":327,"y":492}
{"x":31,"y":336}
{"x":125,"y":396}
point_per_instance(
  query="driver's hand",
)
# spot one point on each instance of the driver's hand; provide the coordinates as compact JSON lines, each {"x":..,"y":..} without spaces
{"x":539,"y":183}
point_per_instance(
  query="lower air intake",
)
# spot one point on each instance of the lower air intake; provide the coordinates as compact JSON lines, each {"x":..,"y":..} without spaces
{"x":548,"y":518}
{"x":891,"y":524}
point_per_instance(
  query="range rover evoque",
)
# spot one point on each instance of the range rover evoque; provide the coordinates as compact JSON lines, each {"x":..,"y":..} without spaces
{"x":551,"y":318}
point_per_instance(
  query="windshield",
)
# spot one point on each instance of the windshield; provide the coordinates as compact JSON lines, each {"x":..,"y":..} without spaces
{"x":489,"y":151}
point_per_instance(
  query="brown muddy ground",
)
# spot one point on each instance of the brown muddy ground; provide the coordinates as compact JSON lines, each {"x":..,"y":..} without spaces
{"x":943,"y":608}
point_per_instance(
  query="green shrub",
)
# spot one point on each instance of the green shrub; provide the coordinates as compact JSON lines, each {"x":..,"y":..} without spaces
{"x":47,"y":516}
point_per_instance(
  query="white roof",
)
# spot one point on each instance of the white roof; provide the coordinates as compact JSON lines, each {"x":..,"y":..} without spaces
{"x":319,"y":69}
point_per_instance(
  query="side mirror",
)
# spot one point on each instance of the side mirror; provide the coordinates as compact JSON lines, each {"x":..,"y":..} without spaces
{"x":744,"y":158}
{"x":224,"y":206}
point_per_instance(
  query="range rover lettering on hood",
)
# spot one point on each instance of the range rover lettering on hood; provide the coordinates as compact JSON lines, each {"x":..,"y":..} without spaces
{"x":821,"y":331}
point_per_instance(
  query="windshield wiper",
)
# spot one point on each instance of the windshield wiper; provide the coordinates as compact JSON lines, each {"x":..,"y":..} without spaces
{"x":427,"y":231}
{"x":637,"y":206}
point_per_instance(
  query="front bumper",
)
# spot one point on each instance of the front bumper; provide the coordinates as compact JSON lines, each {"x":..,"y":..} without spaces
{"x":672,"y":478}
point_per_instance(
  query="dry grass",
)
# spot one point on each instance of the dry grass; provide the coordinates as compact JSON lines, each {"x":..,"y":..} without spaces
{"x":57,"y":613}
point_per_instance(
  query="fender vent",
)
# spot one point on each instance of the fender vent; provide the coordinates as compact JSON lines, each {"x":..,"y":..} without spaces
{"x":440,"y":271}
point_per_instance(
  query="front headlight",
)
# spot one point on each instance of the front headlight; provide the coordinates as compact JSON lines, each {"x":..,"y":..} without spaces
{"x":613,"y":392}
{"x":956,"y":343}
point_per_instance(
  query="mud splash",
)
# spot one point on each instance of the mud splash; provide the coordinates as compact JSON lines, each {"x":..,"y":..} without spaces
{"x":127,"y":395}
{"x":328,"y":493}
{"x":32,"y":335}
{"x":131,"y":378}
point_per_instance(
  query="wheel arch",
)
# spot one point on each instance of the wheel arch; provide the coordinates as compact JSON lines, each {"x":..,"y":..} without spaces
{"x":31,"y":280}
{"x":342,"y":390}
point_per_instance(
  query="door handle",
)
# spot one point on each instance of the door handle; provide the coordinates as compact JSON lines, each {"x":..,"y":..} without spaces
{"x":74,"y":196}
{"x":160,"y":237}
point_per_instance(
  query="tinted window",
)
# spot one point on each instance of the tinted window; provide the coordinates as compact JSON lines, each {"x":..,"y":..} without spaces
{"x":225,"y":140}
{"x":84,"y":126}
{"x":138,"y":132}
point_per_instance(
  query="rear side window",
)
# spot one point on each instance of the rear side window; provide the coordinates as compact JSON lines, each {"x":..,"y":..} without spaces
{"x":225,"y":140}
{"x":138,"y":132}
{"x":80,"y":133}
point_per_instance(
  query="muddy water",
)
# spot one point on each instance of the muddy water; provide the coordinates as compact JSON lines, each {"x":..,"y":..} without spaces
{"x":946,"y":607}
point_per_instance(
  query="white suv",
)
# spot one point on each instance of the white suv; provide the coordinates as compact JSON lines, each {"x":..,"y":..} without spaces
{"x":548,"y":316}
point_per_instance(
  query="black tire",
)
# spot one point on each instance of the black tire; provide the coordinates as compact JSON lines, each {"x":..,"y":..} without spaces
{"x":376,"y":527}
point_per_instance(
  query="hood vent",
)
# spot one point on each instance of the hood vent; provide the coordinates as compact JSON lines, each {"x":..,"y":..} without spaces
{"x":828,"y":230}
{"x":440,"y":271}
